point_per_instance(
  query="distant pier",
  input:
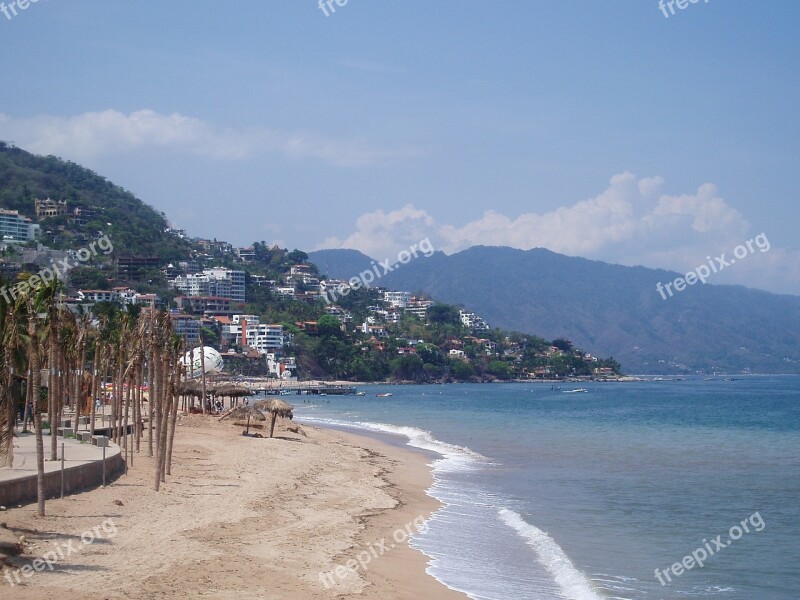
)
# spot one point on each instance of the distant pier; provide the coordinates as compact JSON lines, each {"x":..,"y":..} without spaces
{"x":307,"y":388}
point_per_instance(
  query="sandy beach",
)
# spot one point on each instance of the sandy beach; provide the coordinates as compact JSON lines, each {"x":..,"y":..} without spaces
{"x":239,"y":518}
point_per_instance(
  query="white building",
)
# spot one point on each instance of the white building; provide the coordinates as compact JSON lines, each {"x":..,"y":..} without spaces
{"x":14,"y":226}
{"x":230,"y":281}
{"x":418,"y":308}
{"x":187,"y":327}
{"x":261,"y":337}
{"x":379,"y":331}
{"x":398,"y":299}
{"x":98,"y":296}
{"x":472,"y":321}
{"x":223,"y":283}
{"x":282,"y":367}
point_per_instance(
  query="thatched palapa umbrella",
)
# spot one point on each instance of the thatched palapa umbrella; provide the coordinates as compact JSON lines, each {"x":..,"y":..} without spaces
{"x":245,"y":411}
{"x":191,"y":389}
{"x":277,"y":407}
{"x":232,"y":390}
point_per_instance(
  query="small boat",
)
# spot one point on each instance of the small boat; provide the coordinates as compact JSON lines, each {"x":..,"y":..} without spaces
{"x":361,"y":393}
{"x":284,"y":393}
{"x":575,"y":391}
{"x":386,"y":395}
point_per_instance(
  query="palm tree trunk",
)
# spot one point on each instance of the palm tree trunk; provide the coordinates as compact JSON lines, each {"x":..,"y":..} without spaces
{"x":158,"y":411}
{"x":28,"y":402}
{"x":203,"y":372}
{"x":151,"y":381}
{"x":33,"y":362}
{"x":138,"y":409}
{"x":95,"y":392}
{"x":174,"y":418}
{"x":77,"y":386}
{"x":7,"y":419}
{"x":125,"y":422}
{"x":163,"y":416}
{"x":52,"y":392}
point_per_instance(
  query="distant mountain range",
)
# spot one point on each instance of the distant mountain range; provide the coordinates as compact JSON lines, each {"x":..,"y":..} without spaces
{"x":609,"y":310}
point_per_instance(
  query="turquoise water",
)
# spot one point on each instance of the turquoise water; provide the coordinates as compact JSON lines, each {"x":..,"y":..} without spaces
{"x":584,"y":495}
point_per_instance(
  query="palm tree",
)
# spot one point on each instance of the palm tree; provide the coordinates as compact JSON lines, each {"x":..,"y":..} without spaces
{"x":11,"y":345}
{"x":84,"y":333}
{"x":37,"y":303}
{"x":178,"y":349}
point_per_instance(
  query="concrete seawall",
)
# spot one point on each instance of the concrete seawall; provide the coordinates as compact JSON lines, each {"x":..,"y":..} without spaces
{"x":22,"y":490}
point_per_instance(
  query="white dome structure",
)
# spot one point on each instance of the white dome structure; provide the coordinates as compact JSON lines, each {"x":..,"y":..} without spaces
{"x":193,"y":363}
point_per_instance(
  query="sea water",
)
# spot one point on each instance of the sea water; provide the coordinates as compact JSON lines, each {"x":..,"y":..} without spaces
{"x":554,"y":494}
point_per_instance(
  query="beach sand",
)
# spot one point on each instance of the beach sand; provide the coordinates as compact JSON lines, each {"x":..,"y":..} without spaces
{"x":240,"y":518}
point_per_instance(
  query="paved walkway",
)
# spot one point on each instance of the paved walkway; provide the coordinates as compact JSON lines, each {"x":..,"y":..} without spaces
{"x":75,"y":454}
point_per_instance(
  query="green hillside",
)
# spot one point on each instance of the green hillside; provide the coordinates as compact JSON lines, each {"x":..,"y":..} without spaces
{"x":135,"y":228}
{"x":612,"y":309}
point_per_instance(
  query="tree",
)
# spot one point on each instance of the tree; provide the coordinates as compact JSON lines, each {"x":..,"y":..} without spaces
{"x":12,"y":346}
{"x":408,"y":367}
{"x":36,"y":304}
{"x":499,"y":369}
{"x":563,"y":345}
{"x":430,"y":353}
{"x":461,"y":370}
{"x":329,"y":326}
{"x":297,"y":257}
{"x":444,"y":314}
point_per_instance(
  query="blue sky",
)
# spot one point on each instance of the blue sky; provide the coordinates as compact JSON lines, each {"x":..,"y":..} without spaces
{"x":599,"y":129}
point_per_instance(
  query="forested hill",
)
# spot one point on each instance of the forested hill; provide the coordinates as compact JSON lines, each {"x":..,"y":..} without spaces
{"x":612,"y":309}
{"x":135,"y":228}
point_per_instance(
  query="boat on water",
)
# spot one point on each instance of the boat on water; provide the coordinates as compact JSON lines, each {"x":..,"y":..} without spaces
{"x":361,"y":393}
{"x":579,"y":390}
{"x":386,"y":395}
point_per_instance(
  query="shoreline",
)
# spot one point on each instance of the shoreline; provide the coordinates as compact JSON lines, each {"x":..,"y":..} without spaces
{"x":242,"y":518}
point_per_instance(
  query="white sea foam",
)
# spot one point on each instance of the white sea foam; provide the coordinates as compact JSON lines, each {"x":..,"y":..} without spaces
{"x":572,"y":582}
{"x":454,"y":458}
{"x":458,"y":459}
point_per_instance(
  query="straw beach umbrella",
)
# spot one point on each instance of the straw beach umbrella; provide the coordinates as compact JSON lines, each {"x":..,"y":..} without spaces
{"x":232,"y":390}
{"x":245,"y":411}
{"x":191,"y":389}
{"x":277,"y":407}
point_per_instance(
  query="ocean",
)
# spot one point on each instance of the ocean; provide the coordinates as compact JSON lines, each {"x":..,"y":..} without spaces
{"x":616,"y":492}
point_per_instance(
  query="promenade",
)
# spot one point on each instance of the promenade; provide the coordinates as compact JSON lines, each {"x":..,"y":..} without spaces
{"x":82,"y":463}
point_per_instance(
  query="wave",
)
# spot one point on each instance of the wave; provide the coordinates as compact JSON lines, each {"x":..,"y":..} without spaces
{"x":572,"y":582}
{"x":569,"y":581}
{"x":454,"y":458}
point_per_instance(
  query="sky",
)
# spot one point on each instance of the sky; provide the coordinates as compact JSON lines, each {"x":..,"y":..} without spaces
{"x":602,"y":129}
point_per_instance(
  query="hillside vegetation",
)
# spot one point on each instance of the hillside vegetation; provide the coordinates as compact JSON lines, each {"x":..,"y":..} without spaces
{"x":612,"y":309}
{"x":135,"y":228}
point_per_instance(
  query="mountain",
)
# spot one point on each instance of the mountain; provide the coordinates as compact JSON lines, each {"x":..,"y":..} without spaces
{"x":339,"y":264}
{"x":134,"y":228}
{"x":610,"y":310}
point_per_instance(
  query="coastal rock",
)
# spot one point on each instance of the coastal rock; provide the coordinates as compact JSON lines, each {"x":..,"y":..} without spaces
{"x":9,"y":543}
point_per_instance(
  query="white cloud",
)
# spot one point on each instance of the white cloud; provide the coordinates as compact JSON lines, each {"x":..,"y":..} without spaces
{"x":380,"y":235}
{"x":631,"y":222}
{"x":110,"y":132}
